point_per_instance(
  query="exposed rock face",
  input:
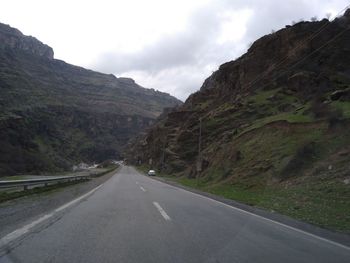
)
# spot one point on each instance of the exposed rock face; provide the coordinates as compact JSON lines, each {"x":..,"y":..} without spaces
{"x":259,"y":111}
{"x":53,"y":114}
{"x":13,"y":39}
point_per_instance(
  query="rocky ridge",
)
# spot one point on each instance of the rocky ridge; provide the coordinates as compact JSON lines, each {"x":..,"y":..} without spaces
{"x":270,"y":128}
{"x":282,"y":92}
{"x":53,"y":114}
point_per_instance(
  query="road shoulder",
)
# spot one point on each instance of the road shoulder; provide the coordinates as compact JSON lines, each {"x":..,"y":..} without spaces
{"x":337,"y":237}
{"x":17,"y":212}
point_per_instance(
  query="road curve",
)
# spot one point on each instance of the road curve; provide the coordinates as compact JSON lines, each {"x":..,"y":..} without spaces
{"x":132,"y":218}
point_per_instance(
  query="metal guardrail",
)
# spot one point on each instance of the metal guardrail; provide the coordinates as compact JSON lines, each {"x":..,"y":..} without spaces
{"x":45,"y":182}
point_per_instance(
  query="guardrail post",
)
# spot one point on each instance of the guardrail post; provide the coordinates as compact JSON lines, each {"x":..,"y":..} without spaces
{"x":25,"y":187}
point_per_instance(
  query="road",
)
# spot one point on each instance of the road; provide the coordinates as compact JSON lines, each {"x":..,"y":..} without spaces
{"x":133,"y":218}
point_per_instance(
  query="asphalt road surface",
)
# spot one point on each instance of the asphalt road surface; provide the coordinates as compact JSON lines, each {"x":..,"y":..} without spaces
{"x":133,"y":218}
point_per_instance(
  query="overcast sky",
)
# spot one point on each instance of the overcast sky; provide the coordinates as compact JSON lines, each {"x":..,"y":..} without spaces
{"x":170,"y":46}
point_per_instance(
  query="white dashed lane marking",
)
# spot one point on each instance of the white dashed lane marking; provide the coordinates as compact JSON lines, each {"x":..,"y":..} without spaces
{"x":162,"y":212}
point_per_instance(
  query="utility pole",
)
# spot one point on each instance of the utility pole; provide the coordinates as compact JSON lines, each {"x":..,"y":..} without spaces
{"x":200,"y":136}
{"x":163,"y":157}
{"x":199,"y":160}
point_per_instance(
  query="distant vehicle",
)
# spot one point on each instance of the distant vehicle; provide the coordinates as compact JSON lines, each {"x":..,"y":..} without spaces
{"x":151,"y":173}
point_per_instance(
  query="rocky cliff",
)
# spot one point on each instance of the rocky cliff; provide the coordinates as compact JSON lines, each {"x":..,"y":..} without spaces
{"x":14,"y":39}
{"x":276,"y":118}
{"x":53,"y":114}
{"x":281,"y":79}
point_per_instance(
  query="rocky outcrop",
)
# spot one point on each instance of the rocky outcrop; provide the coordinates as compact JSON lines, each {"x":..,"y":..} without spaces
{"x":292,"y":77}
{"x":11,"y":38}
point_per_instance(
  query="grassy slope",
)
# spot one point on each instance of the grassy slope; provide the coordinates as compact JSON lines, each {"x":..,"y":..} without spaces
{"x":290,"y":162}
{"x":323,"y":202}
{"x":307,"y":202}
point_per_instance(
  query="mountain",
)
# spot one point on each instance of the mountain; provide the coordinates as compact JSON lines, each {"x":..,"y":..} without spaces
{"x":275,"y":120}
{"x":53,"y":114}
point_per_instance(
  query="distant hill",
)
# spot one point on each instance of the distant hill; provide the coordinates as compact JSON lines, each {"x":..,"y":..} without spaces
{"x":275,"y":126}
{"x":53,"y":114}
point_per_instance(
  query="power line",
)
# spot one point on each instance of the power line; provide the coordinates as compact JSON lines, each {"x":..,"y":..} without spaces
{"x":308,"y":55}
{"x":315,"y":34}
{"x":292,"y":66}
{"x":302,"y":43}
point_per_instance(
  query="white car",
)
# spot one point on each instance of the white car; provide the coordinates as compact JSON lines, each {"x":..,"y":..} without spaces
{"x":151,"y":173}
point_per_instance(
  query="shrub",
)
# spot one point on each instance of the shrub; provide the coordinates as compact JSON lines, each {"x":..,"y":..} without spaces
{"x":302,"y":157}
{"x":335,"y":117}
{"x":319,"y":109}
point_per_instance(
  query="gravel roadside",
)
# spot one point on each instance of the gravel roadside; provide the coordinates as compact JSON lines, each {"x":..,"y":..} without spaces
{"x":17,"y":212}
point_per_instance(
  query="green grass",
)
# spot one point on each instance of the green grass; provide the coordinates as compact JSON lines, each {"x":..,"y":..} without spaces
{"x":344,"y":106}
{"x":289,"y":117}
{"x":16,"y":177}
{"x":143,"y":168}
{"x":204,"y":105}
{"x":109,"y":169}
{"x":313,"y":199}
{"x":262,"y":96}
{"x":323,"y":203}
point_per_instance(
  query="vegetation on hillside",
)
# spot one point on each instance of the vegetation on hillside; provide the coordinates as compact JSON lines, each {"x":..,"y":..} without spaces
{"x":54,"y":115}
{"x":273,"y":127}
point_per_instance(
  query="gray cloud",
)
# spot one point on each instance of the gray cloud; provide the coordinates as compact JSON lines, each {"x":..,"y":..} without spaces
{"x":179,"y":63}
{"x":171,"y":51}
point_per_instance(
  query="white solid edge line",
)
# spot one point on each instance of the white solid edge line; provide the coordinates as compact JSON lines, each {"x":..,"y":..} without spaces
{"x":143,"y":189}
{"x":272,"y":221}
{"x":261,"y":217}
{"x":77,"y":200}
{"x":25,"y":229}
{"x":161,"y":211}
